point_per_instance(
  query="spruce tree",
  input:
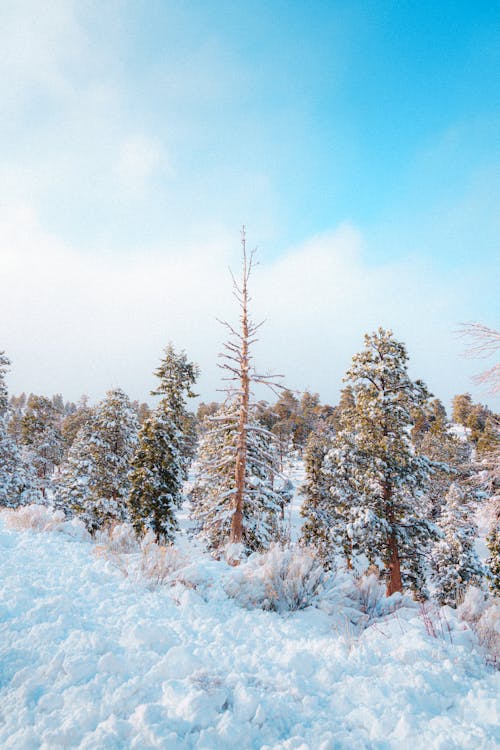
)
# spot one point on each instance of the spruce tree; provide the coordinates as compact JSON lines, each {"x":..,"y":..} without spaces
{"x":17,"y":475}
{"x":164,"y":451}
{"x":318,"y":510}
{"x":382,"y":482}
{"x":42,"y":439}
{"x":455,"y":563}
{"x":94,"y":479}
{"x":493,"y":561}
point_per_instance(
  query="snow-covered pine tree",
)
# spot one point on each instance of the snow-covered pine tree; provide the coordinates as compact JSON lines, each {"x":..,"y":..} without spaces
{"x":455,"y":563}
{"x":214,"y":489}
{"x":164,"y":450}
{"x":450,"y":462}
{"x":318,"y":510}
{"x":4,"y":393}
{"x":94,"y":479}
{"x":17,"y":476}
{"x":41,"y":437}
{"x":78,"y":477}
{"x":488,"y":479}
{"x":386,"y":504}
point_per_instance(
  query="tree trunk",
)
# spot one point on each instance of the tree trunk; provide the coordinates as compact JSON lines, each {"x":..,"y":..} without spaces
{"x":236,"y":534}
{"x":394,"y":582}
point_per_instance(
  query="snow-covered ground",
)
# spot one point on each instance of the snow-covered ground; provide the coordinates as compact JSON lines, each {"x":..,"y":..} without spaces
{"x":90,"y":659}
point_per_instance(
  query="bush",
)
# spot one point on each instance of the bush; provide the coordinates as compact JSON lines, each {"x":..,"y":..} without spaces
{"x":159,"y":563}
{"x":118,"y":539}
{"x":488,"y":631}
{"x":141,"y":560}
{"x":482,"y":613}
{"x":34,"y":517}
{"x":283,"y":579}
{"x":371,"y":596}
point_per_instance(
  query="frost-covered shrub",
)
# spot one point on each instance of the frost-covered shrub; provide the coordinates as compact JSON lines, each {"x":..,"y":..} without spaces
{"x":473,"y":605}
{"x":482,"y":613}
{"x":159,"y":563}
{"x":120,"y":538}
{"x":34,"y":517}
{"x":488,"y":630}
{"x":42,"y":518}
{"x":371,"y":593}
{"x":283,"y":579}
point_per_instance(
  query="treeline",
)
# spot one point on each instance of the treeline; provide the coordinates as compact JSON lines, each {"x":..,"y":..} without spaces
{"x":390,"y":483}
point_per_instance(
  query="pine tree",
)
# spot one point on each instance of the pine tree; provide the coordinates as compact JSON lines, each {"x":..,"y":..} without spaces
{"x":78,"y":481}
{"x":493,"y":561}
{"x":75,"y":420}
{"x":450,"y":461}
{"x":165,"y":449}
{"x":17,"y":476}
{"x":94,"y":479}
{"x":42,"y":439}
{"x":381,"y":480}
{"x":318,"y":509}
{"x":455,"y":564}
{"x":214,"y":489}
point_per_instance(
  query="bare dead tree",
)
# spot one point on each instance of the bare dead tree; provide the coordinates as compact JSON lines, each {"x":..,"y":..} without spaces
{"x":485,"y":342}
{"x":238,"y":364}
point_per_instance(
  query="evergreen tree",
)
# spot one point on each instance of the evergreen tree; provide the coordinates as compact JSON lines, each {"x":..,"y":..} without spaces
{"x":461,"y":408}
{"x":78,"y":481}
{"x":381,"y":480}
{"x":450,"y":461}
{"x":75,"y":420}
{"x":493,"y":561}
{"x":17,"y":476}
{"x":214,"y":489}
{"x":94,"y":479}
{"x":318,"y":510}
{"x":157,"y":477}
{"x":165,"y":449}
{"x":4,"y":394}
{"x":42,"y":438}
{"x":455,"y":564}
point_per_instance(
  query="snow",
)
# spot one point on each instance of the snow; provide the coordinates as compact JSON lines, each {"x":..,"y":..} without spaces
{"x":94,"y":660}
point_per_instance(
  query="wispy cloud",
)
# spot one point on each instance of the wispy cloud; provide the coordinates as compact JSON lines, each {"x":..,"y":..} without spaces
{"x":81,"y":323}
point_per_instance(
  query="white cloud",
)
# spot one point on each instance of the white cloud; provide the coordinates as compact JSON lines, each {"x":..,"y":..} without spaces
{"x":139,"y":160}
{"x":76,"y":322}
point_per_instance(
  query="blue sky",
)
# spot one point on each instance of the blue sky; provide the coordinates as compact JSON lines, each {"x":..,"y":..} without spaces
{"x":142,"y":135}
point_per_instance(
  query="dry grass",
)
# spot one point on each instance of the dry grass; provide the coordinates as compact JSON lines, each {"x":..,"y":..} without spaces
{"x":33,"y":517}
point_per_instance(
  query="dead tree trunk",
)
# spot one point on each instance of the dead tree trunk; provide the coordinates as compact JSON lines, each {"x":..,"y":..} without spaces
{"x":238,"y":364}
{"x":236,"y":534}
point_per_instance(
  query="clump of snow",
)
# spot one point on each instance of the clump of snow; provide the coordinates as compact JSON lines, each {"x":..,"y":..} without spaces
{"x":234,"y":552}
{"x":488,"y":630}
{"x":145,"y":560}
{"x":372,"y":599}
{"x":118,"y":539}
{"x":482,"y":613}
{"x":34,"y":517}
{"x":159,"y":563}
{"x":42,"y":518}
{"x":283,"y":579}
{"x":473,"y":605}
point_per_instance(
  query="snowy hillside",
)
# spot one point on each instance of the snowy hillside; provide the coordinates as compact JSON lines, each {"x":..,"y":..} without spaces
{"x":94,"y":660}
